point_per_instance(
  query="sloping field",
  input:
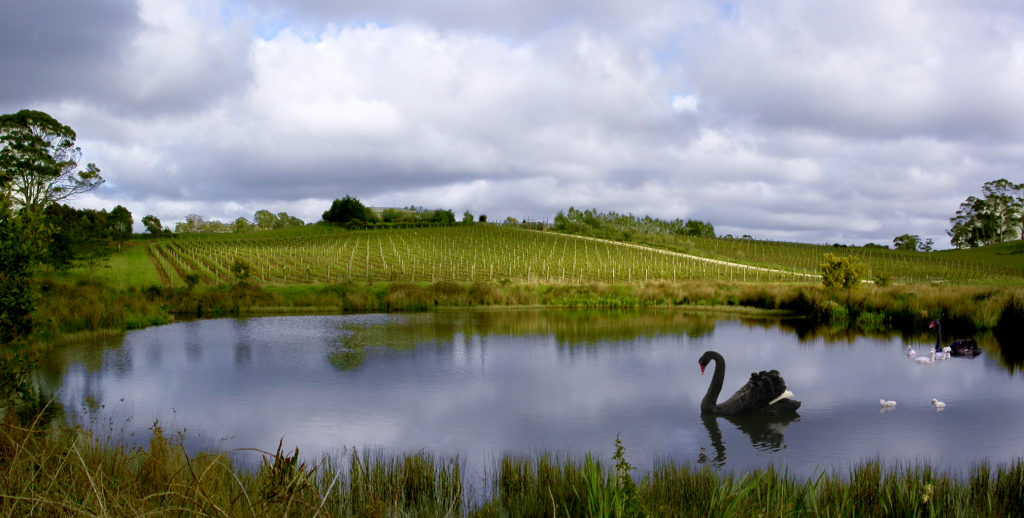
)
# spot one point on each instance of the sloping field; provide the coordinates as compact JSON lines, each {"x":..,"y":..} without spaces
{"x":959,"y":266}
{"x":499,"y":253}
{"x":462,"y":254}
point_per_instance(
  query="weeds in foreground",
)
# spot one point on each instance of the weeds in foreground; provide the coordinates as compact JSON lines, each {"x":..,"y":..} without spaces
{"x":68,"y":472}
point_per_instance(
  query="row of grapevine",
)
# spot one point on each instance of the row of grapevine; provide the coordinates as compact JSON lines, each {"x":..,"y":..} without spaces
{"x":900,"y":265}
{"x":495,"y":253}
{"x":465,"y":254}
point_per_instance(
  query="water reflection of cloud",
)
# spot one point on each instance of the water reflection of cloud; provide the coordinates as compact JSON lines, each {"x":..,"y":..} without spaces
{"x":482,"y":385}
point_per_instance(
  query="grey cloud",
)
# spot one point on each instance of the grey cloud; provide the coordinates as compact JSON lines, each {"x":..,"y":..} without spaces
{"x":128,"y":56}
{"x":802,"y":123}
{"x":869,"y":69}
{"x":54,"y":48}
{"x":510,"y":17}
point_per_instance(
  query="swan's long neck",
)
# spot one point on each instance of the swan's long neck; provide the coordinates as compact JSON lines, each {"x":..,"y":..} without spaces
{"x":938,"y":337}
{"x":717,"y":380}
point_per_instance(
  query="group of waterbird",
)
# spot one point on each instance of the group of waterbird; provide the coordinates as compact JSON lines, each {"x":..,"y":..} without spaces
{"x":891,"y":405}
{"x":766,"y":394}
{"x":963,"y":347}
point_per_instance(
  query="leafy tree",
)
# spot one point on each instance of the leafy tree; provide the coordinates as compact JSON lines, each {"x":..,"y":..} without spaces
{"x":467,"y":217}
{"x":264,"y":220}
{"x":906,"y":242}
{"x":120,"y":223}
{"x":393,"y":215}
{"x":64,"y":233}
{"x":192,"y":223}
{"x":241,"y":269}
{"x":191,"y":280}
{"x":78,"y":236}
{"x":285,"y":221}
{"x":92,"y":244}
{"x":842,"y":272}
{"x":241,"y":225}
{"x":614,"y":225}
{"x":443,"y":216}
{"x":152,"y":224}
{"x":215,"y":227}
{"x":39,"y":161}
{"x":996,"y":217}
{"x":23,"y":239}
{"x":346,"y":210}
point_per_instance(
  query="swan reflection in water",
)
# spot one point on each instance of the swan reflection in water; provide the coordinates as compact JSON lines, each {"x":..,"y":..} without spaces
{"x":766,"y":433}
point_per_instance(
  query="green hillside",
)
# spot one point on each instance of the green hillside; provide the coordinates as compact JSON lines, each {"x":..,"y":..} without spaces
{"x":318,"y":254}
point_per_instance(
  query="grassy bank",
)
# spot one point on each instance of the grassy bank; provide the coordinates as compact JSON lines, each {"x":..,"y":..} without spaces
{"x":92,"y":306}
{"x":68,"y":472}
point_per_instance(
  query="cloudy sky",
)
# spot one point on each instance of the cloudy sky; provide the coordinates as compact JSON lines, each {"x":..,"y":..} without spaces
{"x":809,"y":120}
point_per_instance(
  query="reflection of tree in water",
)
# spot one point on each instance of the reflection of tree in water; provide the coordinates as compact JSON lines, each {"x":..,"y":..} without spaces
{"x":570,"y":329}
{"x":766,"y":433}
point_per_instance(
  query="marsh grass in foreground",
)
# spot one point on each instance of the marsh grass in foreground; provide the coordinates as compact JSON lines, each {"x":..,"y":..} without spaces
{"x":68,"y":472}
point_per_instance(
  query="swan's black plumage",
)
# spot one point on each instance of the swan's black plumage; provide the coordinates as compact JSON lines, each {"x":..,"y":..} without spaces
{"x":752,"y":398}
{"x":962,"y":347}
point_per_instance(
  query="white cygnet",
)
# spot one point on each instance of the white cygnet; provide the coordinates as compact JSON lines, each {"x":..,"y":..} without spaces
{"x":938,"y":404}
{"x":886,"y":403}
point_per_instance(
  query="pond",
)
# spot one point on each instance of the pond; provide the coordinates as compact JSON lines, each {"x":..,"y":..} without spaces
{"x":480,"y":383}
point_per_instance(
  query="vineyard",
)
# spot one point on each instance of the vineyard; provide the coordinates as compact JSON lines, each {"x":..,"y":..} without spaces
{"x":500,"y":253}
{"x":900,"y":266}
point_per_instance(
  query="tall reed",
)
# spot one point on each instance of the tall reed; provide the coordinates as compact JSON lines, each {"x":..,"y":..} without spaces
{"x":71,"y":472}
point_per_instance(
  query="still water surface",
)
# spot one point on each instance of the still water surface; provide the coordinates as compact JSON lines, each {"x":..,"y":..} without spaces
{"x":481,"y":383}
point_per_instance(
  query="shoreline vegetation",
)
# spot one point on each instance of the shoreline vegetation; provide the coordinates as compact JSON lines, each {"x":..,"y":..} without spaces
{"x":70,"y":471}
{"x":76,"y":310}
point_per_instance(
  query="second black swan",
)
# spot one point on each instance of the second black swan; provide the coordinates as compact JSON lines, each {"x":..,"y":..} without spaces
{"x":764,"y":394}
{"x":962,"y":347}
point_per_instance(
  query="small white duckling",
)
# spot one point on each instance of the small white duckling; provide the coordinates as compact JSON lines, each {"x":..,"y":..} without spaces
{"x":938,"y":404}
{"x":885,"y":403}
{"x":911,"y":352}
{"x":944,"y":354}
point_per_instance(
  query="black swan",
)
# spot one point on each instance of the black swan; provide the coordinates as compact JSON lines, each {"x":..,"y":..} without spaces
{"x":764,"y":394}
{"x":962,"y":347}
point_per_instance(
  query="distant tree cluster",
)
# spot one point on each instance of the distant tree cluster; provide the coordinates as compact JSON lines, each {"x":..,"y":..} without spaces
{"x":261,"y":220}
{"x":996,"y":217}
{"x":414,"y":214}
{"x":84,"y":237}
{"x":623,"y":226}
{"x":912,"y":243}
{"x":349,"y":210}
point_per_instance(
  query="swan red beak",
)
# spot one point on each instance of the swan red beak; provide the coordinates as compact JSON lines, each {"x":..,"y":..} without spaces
{"x":701,"y":368}
{"x":931,"y":325}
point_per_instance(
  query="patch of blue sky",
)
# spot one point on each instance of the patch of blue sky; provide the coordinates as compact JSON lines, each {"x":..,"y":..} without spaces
{"x":232,"y":11}
{"x":312,"y":32}
{"x":729,"y":11}
{"x":269,"y":29}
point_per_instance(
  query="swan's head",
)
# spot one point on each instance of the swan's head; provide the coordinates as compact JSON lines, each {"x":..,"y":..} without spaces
{"x":704,"y":360}
{"x":935,"y":401}
{"x":934,"y":324}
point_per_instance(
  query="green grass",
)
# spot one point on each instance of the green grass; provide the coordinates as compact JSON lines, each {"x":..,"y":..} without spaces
{"x":130,"y":267}
{"x":72,"y":472}
{"x":1008,"y":255}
